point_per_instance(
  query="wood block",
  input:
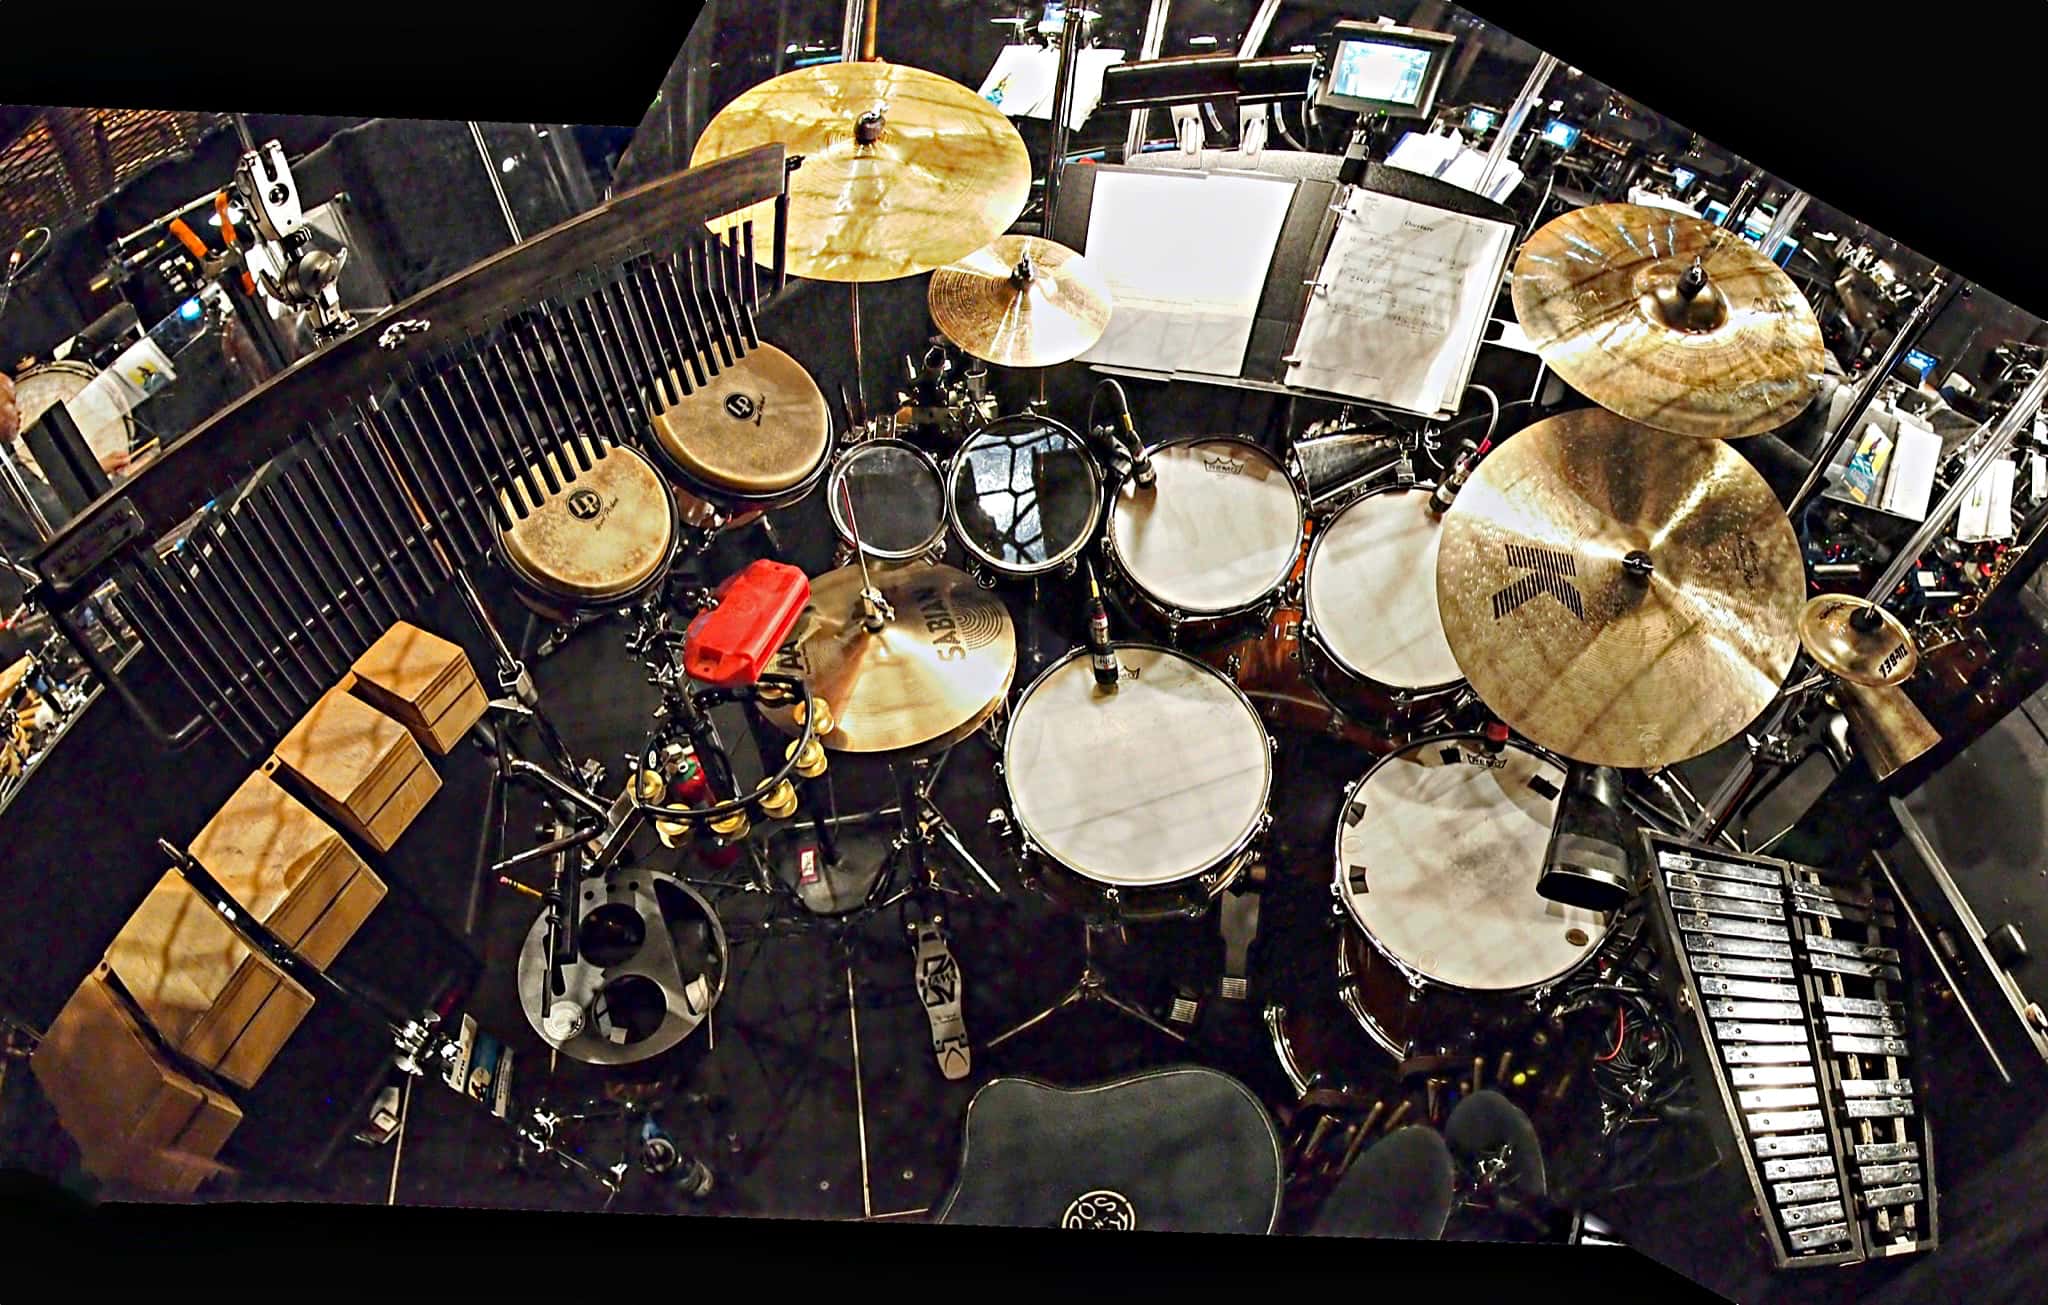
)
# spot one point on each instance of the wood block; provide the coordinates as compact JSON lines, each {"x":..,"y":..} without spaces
{"x":288,"y":869}
{"x":199,"y":985}
{"x":424,"y":682}
{"x":118,"y":1097}
{"x":358,"y":765}
{"x":166,"y":1171}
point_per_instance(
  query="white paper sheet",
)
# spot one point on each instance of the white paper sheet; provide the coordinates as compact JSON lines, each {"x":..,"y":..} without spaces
{"x":100,"y":412}
{"x":1025,"y":80}
{"x":1987,"y":512}
{"x":1909,"y":485}
{"x":1401,"y":304}
{"x":1186,"y":256}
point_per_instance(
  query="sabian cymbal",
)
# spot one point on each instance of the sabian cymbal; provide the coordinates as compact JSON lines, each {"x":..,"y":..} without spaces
{"x":1603,"y":294}
{"x":759,"y":427}
{"x":936,"y":175}
{"x":1618,"y":595}
{"x":1021,"y":302}
{"x":938,"y":668}
{"x":1858,"y":641}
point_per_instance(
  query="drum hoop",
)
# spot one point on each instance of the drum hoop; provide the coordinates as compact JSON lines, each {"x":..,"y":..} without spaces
{"x":72,"y":367}
{"x":1314,"y":631}
{"x":675,"y":536}
{"x":1301,"y":517}
{"x":1236,"y":850}
{"x":835,"y":479}
{"x":718,"y":494}
{"x":1343,"y":893}
{"x":953,"y":465}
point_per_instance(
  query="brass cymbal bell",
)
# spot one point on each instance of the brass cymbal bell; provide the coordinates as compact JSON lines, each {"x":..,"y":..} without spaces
{"x":1668,"y":320}
{"x":1021,"y":301}
{"x":1856,"y":640}
{"x":938,"y":666}
{"x":1618,"y":595}
{"x":902,"y":170}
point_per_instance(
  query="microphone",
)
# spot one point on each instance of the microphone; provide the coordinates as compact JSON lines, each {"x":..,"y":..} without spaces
{"x":1404,"y":1186}
{"x":1141,"y":461}
{"x":1447,"y":489}
{"x":1100,"y":654}
{"x":1494,"y":1139}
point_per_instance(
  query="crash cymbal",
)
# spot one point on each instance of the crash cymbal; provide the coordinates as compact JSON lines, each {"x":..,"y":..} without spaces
{"x":1021,"y":302}
{"x":937,"y":175}
{"x":1858,"y":641}
{"x":1607,"y":296}
{"x":759,"y":427}
{"x":1621,"y":596}
{"x":938,"y":668}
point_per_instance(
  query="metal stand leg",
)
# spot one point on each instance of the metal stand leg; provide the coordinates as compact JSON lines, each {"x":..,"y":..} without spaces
{"x":1093,"y":985}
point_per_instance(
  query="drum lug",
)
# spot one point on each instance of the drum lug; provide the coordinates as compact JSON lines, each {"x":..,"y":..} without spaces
{"x":1232,"y":664}
{"x":1071,"y":569}
{"x":983,"y":579}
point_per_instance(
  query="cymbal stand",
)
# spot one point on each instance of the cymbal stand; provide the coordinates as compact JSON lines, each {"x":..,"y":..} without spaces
{"x":1093,"y":985}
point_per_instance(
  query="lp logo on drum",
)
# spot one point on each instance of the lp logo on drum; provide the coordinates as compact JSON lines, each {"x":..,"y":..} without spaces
{"x":742,"y":407}
{"x":584,"y":504}
{"x":1548,"y":570}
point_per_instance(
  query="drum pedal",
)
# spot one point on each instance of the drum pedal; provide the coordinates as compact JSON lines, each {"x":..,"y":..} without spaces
{"x":939,"y":992}
{"x":1186,"y":1007}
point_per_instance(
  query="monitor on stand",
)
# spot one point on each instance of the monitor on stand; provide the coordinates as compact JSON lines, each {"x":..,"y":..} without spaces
{"x":1369,"y":69}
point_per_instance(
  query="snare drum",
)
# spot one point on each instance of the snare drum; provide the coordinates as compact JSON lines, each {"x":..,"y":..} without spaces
{"x":604,"y":541}
{"x":1438,"y":850}
{"x":753,"y":440}
{"x":1371,"y":637}
{"x":1025,"y":496}
{"x":1143,"y":803}
{"x":40,"y":389}
{"x":1204,"y":552}
{"x":898,"y":495}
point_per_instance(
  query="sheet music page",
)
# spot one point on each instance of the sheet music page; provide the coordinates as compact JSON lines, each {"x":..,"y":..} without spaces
{"x":1186,"y":255}
{"x":1401,"y":304}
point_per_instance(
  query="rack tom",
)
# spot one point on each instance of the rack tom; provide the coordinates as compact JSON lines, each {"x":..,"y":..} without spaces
{"x":1202,"y":554}
{"x":755,"y":439}
{"x":1025,"y":496}
{"x":1372,"y":640}
{"x":1143,"y":803}
{"x":1439,"y":847}
{"x":597,"y":543}
{"x":890,"y":495}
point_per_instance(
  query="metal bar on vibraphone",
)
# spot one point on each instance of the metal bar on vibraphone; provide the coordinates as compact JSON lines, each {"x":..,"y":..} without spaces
{"x":493,"y":504}
{"x":589,"y":367}
{"x":619,"y":304}
{"x":661,"y":277}
{"x":263,"y":618}
{"x":555,"y":362}
{"x":400,"y":463}
{"x":242,"y":670}
{"x":619,"y":395}
{"x":292,"y":630}
{"x":715,"y":255}
{"x":309,"y":527}
{"x":561,"y":421}
{"x":753,"y":278}
{"x":304,"y":571}
{"x":517,"y":486}
{"x":148,"y":619}
{"x":703,"y":358}
{"x":354,"y":540}
{"x":151,"y":587}
{"x":676,"y":371}
{"x":401,"y":537}
{"x":548,"y":451}
{"x":528,"y":458}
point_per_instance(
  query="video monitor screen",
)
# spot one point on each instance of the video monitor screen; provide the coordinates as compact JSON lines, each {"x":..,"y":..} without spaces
{"x":1682,"y":179}
{"x":1920,"y":364}
{"x":1382,"y":71}
{"x":1480,"y":120}
{"x":1561,"y":134}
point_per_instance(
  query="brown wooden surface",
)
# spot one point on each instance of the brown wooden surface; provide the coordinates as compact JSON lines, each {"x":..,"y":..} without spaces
{"x":359,"y":765}
{"x":422,"y":681}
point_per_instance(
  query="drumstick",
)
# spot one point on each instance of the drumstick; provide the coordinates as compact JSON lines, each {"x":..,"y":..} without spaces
{"x":1394,"y":1121}
{"x":1358,"y":1137}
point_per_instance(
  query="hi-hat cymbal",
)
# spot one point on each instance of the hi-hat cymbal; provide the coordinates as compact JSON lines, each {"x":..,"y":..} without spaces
{"x":1858,"y":641}
{"x":933,"y":175}
{"x":1618,"y":595}
{"x":1021,"y":302}
{"x":1603,"y":294}
{"x":938,"y":668}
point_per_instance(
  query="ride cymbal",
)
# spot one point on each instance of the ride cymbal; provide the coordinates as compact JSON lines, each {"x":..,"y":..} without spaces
{"x":1021,"y":302}
{"x":1856,"y":640}
{"x":1668,"y":320}
{"x":903,"y":170}
{"x":937,"y":669}
{"x":1620,"y":596}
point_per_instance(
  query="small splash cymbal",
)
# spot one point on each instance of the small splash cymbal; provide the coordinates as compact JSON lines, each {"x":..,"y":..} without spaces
{"x":1620,"y":596}
{"x":1668,"y":320}
{"x":1856,"y":640}
{"x":1021,"y":302}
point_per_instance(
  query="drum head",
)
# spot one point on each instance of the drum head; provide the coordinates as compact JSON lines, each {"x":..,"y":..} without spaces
{"x":1438,"y":851}
{"x":1025,"y":495}
{"x":1219,"y":531}
{"x":42,"y":388}
{"x":899,"y":503}
{"x":761,"y":425}
{"x":1371,"y":592}
{"x":1165,"y":778}
{"x":606,"y":533}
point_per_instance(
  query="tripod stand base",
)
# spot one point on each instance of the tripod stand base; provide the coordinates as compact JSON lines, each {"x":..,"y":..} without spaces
{"x":825,"y":889}
{"x":1093,"y":985}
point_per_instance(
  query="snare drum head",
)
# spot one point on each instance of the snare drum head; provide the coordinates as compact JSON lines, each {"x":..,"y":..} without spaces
{"x":1450,"y":842}
{"x":1220,"y":529}
{"x":899,"y":504}
{"x":607,"y":532}
{"x":1165,"y":778}
{"x":759,"y":427}
{"x":1025,"y":494}
{"x":43,"y":388}
{"x":1371,"y":591}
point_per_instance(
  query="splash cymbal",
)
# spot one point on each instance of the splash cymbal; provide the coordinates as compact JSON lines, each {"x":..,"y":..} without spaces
{"x":1856,"y":640}
{"x":1021,"y":302}
{"x":903,"y":170}
{"x":1620,"y":596}
{"x":1609,"y":296}
{"x":936,"y":670}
